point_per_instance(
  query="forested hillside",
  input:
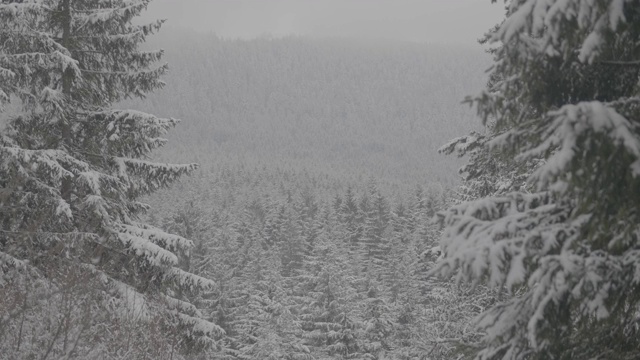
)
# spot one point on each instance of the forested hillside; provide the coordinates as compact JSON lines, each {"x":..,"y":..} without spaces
{"x":304,"y":275}
{"x":340,"y":107}
{"x":306,"y":234}
{"x":313,"y":211}
{"x":321,"y":222}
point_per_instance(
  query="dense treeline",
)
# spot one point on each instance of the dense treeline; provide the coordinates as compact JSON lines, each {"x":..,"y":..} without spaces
{"x":306,"y":213}
{"x":256,"y":257}
{"x":258,"y":262}
{"x":307,"y":268}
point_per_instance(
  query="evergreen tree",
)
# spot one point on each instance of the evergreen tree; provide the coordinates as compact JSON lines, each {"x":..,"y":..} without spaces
{"x":375,"y":233}
{"x":267,"y":328}
{"x":564,"y":105}
{"x":72,"y":169}
{"x":328,"y":296}
{"x":375,"y":335}
{"x":294,"y":245}
{"x":349,"y":216}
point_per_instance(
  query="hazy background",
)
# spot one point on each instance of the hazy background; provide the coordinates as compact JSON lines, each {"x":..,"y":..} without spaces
{"x":365,"y":88}
{"x":432,"y":21}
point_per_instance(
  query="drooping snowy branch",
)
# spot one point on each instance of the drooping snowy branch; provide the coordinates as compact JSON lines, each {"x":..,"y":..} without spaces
{"x":565,"y":245}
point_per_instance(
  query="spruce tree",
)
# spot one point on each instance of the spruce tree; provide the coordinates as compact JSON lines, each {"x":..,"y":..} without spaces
{"x":73,"y":169}
{"x":267,"y":327}
{"x":564,"y":106}
{"x":328,"y":299}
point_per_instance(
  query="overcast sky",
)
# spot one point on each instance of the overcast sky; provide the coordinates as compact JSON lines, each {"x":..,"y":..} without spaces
{"x":433,"y":21}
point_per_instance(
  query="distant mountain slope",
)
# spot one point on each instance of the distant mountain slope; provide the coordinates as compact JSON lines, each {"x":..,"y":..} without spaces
{"x":332,"y":105}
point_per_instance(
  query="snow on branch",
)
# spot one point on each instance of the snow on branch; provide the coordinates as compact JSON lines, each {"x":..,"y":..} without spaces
{"x":103,"y":15}
{"x":50,"y":158}
{"x":547,"y":20}
{"x":123,"y":120}
{"x":187,"y":280}
{"x":157,"y":175}
{"x":200,"y":326}
{"x":130,"y":133}
{"x":142,"y":166}
{"x":490,"y":238}
{"x":135,"y":304}
{"x":7,"y":74}
{"x":570,"y":125}
{"x":57,"y":60}
{"x":159,"y":237}
{"x":20,"y":9}
{"x":181,"y":306}
{"x":149,"y":251}
{"x":463,"y":144}
{"x":53,"y":98}
{"x":8,"y":261}
{"x":589,"y":280}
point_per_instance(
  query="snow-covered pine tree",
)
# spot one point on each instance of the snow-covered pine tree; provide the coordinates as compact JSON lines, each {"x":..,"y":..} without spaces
{"x":375,"y":333}
{"x":72,"y":169}
{"x":566,"y":103}
{"x":375,"y":232}
{"x":267,"y":328}
{"x":327,"y":294}
{"x":349,"y":216}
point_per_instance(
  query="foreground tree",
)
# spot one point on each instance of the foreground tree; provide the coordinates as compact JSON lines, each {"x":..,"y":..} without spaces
{"x":564,"y":105}
{"x":72,"y":171}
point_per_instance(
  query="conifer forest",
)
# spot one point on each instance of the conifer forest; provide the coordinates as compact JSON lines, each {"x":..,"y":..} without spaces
{"x":173,"y":194}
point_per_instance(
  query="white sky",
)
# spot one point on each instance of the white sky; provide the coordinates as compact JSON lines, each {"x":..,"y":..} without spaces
{"x":433,"y":21}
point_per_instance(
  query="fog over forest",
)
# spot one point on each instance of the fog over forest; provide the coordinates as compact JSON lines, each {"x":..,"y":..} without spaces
{"x":344,"y":107}
{"x":301,"y":179}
